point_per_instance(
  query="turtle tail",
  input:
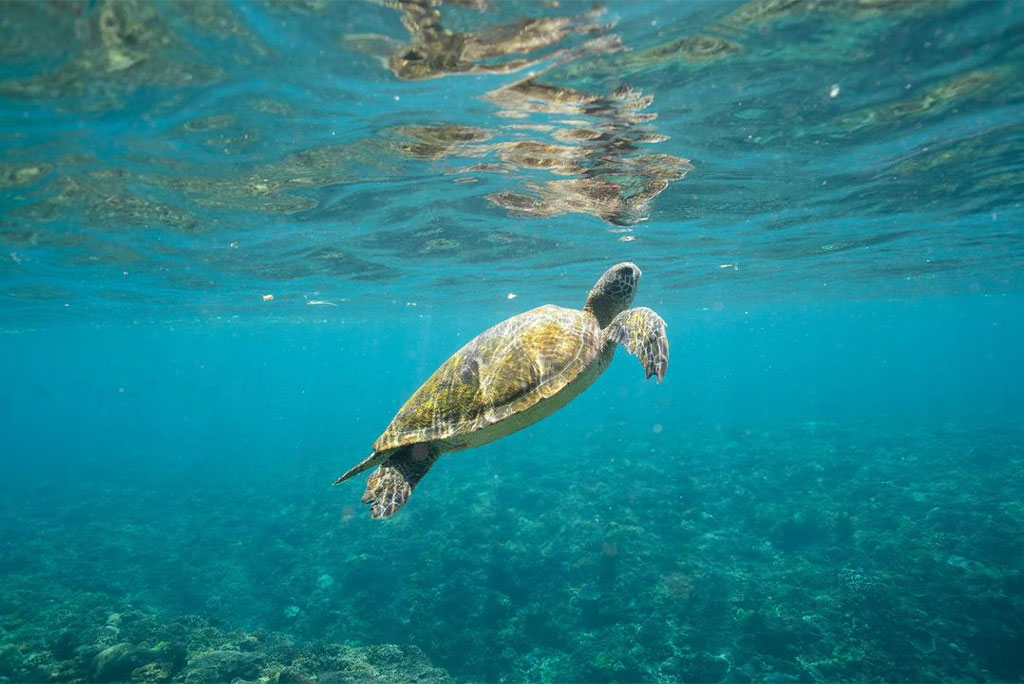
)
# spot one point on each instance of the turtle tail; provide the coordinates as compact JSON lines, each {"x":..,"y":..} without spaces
{"x":372,"y":460}
{"x":390,"y":487}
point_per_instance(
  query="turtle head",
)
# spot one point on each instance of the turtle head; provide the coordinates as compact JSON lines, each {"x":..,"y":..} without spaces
{"x":614,"y":292}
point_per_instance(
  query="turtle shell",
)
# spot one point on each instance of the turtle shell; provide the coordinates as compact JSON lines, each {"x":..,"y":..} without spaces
{"x":502,"y":372}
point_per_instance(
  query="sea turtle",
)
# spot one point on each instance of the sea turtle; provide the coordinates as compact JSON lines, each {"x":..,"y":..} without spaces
{"x":509,"y":377}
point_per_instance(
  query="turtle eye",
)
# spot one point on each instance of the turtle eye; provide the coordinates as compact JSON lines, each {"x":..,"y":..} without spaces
{"x":412,"y":56}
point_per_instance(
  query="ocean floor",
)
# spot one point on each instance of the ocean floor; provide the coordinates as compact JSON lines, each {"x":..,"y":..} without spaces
{"x":795,"y":552}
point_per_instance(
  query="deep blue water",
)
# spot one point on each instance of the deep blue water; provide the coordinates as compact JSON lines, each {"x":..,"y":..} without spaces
{"x":235,"y":237}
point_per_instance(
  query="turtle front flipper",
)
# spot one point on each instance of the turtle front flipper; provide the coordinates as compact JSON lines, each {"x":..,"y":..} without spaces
{"x":390,"y":487}
{"x":642,"y":333}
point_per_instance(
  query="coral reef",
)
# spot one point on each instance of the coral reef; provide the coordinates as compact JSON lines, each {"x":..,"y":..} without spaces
{"x":138,"y":646}
{"x":814,"y":552}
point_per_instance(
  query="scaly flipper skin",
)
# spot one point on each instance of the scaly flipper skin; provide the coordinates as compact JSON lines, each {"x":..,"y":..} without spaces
{"x":390,"y":487}
{"x":642,"y":333}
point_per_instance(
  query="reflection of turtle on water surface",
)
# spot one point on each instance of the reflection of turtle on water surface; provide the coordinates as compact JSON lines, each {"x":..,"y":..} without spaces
{"x":435,"y":51}
{"x":508,"y":378}
{"x":616,"y":183}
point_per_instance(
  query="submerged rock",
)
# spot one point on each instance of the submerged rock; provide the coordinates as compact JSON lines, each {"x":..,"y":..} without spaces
{"x":152,"y":672}
{"x":292,"y":675}
{"x":64,"y":646}
{"x":116,"y":662}
{"x":222,"y":666}
{"x":10,"y":660}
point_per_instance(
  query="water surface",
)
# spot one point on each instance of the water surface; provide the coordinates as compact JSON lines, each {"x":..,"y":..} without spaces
{"x":235,"y":237}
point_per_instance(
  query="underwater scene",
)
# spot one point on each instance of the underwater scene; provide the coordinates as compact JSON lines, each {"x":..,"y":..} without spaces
{"x":252,"y":249}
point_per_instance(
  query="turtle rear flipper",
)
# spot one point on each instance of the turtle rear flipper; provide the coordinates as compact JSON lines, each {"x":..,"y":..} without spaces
{"x":390,"y":487}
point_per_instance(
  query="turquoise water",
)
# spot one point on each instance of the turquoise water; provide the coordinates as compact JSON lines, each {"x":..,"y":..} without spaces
{"x":236,"y":237}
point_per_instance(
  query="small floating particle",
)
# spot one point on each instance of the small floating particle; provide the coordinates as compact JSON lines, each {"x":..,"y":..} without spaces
{"x":726,"y":266}
{"x":833,"y":92}
{"x":511,"y":295}
{"x":15,"y":257}
{"x":410,"y":303}
{"x":319,"y":302}
{"x":627,"y":238}
{"x":268,"y":297}
{"x":234,"y":245}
